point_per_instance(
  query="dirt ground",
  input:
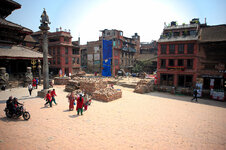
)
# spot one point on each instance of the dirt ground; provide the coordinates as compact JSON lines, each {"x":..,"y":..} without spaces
{"x":136,"y":121}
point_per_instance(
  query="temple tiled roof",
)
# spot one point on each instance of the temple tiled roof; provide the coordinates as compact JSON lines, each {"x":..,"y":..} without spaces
{"x":4,"y":22}
{"x":213,"y":33}
{"x":19,"y":52}
{"x":29,"y":38}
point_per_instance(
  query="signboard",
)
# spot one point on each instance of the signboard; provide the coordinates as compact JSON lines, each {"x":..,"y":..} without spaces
{"x":179,"y":68}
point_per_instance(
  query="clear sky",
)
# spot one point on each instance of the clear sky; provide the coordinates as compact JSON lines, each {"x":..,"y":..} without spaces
{"x":85,"y":18}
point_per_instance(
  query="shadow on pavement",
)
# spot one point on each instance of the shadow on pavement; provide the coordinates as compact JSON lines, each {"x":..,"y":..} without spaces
{"x":5,"y":119}
{"x":188,"y":99}
{"x":23,"y":98}
{"x":73,"y":116}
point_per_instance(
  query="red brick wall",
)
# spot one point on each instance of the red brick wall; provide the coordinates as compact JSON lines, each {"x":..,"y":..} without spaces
{"x":177,"y":56}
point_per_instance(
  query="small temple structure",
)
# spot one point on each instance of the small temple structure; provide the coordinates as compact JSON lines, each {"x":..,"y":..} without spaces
{"x":15,"y":57}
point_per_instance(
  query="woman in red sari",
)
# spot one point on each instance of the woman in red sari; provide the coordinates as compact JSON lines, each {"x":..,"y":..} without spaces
{"x":71,"y":100}
{"x":80,"y":102}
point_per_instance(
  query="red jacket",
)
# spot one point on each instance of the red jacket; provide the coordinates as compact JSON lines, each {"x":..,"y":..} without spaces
{"x":34,"y":82}
{"x":48,"y":97}
{"x":79,"y":103}
{"x":53,"y":93}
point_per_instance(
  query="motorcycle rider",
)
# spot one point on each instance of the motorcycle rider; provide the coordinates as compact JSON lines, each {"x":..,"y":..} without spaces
{"x":16,"y":103}
{"x":9,"y":104}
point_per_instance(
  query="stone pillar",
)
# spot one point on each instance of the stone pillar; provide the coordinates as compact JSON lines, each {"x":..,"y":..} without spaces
{"x":44,"y":28}
{"x":45,"y":60}
{"x":39,"y":71}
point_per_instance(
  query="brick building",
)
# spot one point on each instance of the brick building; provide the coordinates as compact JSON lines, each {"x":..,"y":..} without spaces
{"x":65,"y":53}
{"x":123,"y":50}
{"x":193,"y":55}
{"x":149,"y":48}
{"x":212,"y":62}
{"x":178,"y":55}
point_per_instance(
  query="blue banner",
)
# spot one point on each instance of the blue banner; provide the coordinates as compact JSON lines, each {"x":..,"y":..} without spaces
{"x":107,"y":58}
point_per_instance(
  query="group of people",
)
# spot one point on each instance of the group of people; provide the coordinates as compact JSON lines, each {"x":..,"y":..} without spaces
{"x":50,"y":97}
{"x":12,"y":104}
{"x":33,"y":85}
{"x":82,"y":101}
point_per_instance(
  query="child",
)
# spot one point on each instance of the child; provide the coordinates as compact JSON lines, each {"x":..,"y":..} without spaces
{"x":53,"y":94}
{"x":48,"y":99}
{"x":34,"y":83}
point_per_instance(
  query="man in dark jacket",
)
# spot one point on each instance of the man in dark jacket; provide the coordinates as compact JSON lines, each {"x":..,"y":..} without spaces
{"x":195,"y":92}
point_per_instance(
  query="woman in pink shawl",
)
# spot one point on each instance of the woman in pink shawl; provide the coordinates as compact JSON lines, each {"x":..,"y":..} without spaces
{"x":71,"y":100}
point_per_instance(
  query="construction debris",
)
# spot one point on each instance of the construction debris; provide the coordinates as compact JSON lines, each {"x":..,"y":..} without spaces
{"x":96,"y":87}
{"x":61,"y":80}
{"x":78,"y":74}
{"x":144,"y":86}
{"x":107,"y":94}
{"x":72,"y":85}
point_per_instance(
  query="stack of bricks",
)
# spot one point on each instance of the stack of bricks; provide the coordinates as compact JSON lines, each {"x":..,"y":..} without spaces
{"x":144,"y":86}
{"x":89,"y":85}
{"x":72,"y":85}
{"x":107,"y":94}
{"x":95,"y":87}
{"x":61,"y":80}
{"x":78,"y":74}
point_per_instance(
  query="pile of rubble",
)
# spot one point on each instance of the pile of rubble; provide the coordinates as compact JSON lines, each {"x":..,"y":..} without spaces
{"x":78,"y":74}
{"x":89,"y":85}
{"x":144,"y":86}
{"x":61,"y":80}
{"x":96,"y":87}
{"x":72,"y":85}
{"x":107,"y":94}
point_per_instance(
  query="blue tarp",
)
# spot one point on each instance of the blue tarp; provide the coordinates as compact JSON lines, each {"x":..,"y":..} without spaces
{"x":107,"y":57}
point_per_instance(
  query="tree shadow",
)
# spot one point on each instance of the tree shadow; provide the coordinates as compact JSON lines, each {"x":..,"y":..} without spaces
{"x":186,"y":98}
{"x":5,"y":119}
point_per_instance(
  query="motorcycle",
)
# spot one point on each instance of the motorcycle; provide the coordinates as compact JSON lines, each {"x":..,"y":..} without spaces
{"x":19,"y":112}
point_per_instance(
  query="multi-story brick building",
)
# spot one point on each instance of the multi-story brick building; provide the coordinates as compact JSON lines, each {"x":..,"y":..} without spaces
{"x":178,"y":55}
{"x":212,"y":62}
{"x":193,"y":55}
{"x":123,"y":51}
{"x":65,"y":53}
{"x":149,"y":48}
{"x":66,"y":56}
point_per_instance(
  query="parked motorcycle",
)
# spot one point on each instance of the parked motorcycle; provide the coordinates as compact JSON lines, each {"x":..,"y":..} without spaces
{"x":19,"y":112}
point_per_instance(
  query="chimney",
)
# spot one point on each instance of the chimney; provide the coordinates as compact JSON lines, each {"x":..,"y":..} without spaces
{"x":205,"y":20}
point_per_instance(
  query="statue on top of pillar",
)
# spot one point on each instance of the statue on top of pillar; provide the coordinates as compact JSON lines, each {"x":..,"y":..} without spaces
{"x":44,"y":21}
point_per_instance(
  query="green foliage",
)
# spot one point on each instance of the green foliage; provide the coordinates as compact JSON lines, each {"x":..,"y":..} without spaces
{"x":139,"y":65}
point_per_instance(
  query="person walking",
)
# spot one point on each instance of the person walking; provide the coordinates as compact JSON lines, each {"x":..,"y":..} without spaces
{"x":53,"y":94}
{"x":36,"y":83}
{"x":48,"y":99}
{"x":80,"y":102}
{"x":195,"y":92}
{"x":71,"y":100}
{"x":30,"y":88}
